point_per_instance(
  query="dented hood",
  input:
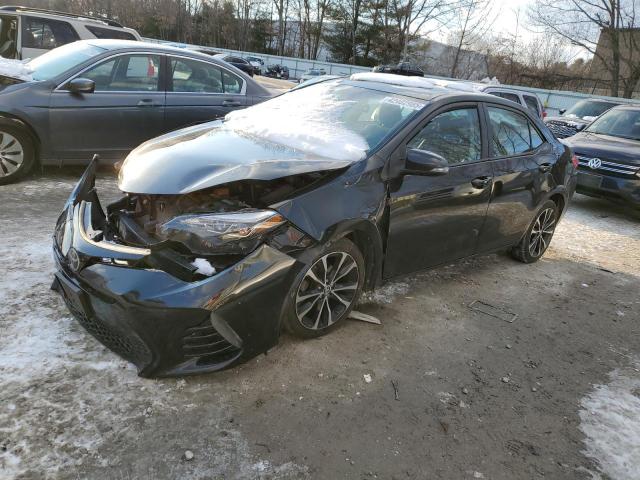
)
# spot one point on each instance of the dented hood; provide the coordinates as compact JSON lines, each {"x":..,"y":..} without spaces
{"x":212,"y":154}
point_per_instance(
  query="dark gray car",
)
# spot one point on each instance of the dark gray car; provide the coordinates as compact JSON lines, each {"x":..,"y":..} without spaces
{"x":107,"y":97}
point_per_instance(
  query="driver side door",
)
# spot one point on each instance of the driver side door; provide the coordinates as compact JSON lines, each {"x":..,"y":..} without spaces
{"x":436,"y":219}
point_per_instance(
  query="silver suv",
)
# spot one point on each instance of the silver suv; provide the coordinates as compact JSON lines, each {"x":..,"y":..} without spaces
{"x":30,"y":32}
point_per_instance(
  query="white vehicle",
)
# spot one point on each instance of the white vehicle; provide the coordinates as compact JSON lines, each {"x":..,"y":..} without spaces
{"x":526,"y":99}
{"x":30,"y":32}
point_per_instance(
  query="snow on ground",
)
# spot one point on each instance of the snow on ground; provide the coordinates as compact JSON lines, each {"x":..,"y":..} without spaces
{"x":15,"y":69}
{"x":610,"y":421}
{"x":69,"y":408}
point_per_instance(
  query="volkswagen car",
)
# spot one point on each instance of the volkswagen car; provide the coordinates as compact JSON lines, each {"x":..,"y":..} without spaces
{"x":107,"y":97}
{"x":609,"y":154}
{"x":280,"y":215}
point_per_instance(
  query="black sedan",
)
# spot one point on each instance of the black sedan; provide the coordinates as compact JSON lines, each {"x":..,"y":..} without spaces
{"x":609,"y":154}
{"x":280,"y":216}
{"x":107,"y":97}
{"x":238,"y":62}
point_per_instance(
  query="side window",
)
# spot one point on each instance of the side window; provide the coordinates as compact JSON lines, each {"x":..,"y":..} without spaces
{"x":454,"y":134}
{"x":46,"y":34}
{"x":193,"y":76}
{"x":126,"y":73}
{"x":100,"y":32}
{"x":231,"y":82}
{"x":532,"y":103}
{"x":511,"y":133}
{"x":507,"y":96}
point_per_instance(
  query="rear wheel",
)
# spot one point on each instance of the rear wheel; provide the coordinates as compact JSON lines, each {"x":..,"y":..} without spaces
{"x":326,"y":291}
{"x":17,"y":155}
{"x":539,"y":235}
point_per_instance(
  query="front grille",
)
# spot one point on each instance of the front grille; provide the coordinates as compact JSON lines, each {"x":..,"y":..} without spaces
{"x":561,"y":129}
{"x":608,"y":167}
{"x":128,"y":347}
{"x":205,"y":343}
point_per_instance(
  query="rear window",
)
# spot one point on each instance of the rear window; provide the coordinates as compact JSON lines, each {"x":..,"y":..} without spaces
{"x":110,"y":33}
{"x":507,"y":96}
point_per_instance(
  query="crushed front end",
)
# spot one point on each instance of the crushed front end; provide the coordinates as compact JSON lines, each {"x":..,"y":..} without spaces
{"x":178,"y":284}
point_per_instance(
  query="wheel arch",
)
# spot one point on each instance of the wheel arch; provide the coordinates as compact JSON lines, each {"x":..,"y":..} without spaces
{"x":365,"y":235}
{"x":8,"y":120}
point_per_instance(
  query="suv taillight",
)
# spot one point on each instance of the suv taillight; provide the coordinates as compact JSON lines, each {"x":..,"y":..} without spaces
{"x":544,"y":114}
{"x":574,"y":160}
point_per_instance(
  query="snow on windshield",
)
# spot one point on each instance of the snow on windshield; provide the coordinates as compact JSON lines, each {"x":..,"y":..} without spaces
{"x":15,"y":69}
{"x":333,"y":120}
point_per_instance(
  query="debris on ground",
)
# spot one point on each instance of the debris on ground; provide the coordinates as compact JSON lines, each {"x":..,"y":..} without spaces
{"x":188,"y":455}
{"x":367,"y":378}
{"x":363,"y":317}
{"x":488,"y":309}
{"x":394,"y":384}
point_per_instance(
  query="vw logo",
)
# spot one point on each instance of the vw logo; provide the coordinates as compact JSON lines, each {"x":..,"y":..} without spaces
{"x":595,"y":163}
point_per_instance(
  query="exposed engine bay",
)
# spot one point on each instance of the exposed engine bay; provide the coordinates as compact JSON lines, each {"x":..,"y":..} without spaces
{"x":209,"y":230}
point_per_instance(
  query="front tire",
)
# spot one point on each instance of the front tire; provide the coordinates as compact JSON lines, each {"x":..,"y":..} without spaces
{"x":326,"y":290}
{"x":538,"y":237}
{"x":17,"y":155}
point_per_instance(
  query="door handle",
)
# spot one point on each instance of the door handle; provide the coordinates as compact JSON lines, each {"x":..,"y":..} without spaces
{"x":231,"y":103}
{"x":544,"y":167}
{"x":146,"y":102}
{"x":481,"y":182}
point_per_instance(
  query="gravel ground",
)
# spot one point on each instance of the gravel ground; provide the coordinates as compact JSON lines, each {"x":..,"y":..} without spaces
{"x":436,"y":391}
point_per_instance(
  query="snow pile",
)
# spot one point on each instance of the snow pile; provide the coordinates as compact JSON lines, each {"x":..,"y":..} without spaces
{"x":490,"y":81}
{"x":308,"y":119}
{"x":414,"y":82}
{"x":610,"y":420}
{"x":15,"y":69}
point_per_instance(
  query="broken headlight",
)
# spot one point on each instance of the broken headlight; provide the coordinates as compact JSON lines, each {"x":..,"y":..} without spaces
{"x":214,"y":233}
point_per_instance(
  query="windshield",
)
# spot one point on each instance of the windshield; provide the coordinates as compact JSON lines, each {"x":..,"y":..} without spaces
{"x":331,"y":119}
{"x":618,"y":123}
{"x":587,"y":108}
{"x":61,"y":59}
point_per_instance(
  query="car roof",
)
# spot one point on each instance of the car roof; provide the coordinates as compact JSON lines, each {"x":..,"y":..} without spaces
{"x":627,"y":106}
{"x":113,"y":44}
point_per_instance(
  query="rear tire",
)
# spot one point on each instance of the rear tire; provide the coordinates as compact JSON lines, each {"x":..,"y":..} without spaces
{"x":539,"y":234}
{"x":17,"y":154}
{"x":326,"y":290}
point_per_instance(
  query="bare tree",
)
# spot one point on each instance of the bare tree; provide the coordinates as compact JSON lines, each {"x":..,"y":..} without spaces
{"x":473,"y":21}
{"x":584,"y":22}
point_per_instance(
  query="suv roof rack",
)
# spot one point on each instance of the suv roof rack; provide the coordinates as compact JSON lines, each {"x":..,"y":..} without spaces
{"x":17,"y":8}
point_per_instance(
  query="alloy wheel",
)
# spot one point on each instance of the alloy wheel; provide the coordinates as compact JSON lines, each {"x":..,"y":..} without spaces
{"x":541,"y":232}
{"x":11,"y":154}
{"x":327,"y":290}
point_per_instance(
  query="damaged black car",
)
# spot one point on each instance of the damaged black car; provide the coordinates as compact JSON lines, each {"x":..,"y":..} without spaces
{"x":281,"y":215}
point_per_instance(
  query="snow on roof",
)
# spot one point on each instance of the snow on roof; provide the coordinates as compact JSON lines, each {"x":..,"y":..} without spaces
{"x":415,"y":82}
{"x":15,"y":69}
{"x":308,"y":120}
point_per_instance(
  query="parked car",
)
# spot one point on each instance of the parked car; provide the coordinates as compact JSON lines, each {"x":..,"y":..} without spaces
{"x":403,"y":68}
{"x":277,"y":71}
{"x":256,"y":63}
{"x":29,"y":32}
{"x":239,"y":63}
{"x":576,"y":118}
{"x":107,"y":97}
{"x":526,"y":99}
{"x":311,"y":73}
{"x":280,"y":216}
{"x":609,"y":154}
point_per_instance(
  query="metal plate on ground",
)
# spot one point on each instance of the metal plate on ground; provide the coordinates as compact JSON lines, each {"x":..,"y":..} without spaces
{"x":488,"y":309}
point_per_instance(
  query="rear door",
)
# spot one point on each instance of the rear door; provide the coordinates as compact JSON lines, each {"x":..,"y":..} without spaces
{"x":199,"y":91}
{"x":523,"y":162}
{"x":533,"y":103}
{"x":435,"y":219}
{"x":126,"y":109}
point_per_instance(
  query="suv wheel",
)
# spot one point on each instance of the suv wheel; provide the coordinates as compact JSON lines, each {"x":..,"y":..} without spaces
{"x":325,"y":292}
{"x":17,"y":155}
{"x":539,"y":235}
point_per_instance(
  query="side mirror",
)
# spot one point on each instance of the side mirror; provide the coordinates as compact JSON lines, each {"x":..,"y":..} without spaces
{"x":423,"y":162}
{"x":562,"y":111}
{"x":581,"y":127}
{"x":81,"y":85}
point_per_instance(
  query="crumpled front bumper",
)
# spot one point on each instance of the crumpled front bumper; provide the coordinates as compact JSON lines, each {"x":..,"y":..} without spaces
{"x":164,"y":325}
